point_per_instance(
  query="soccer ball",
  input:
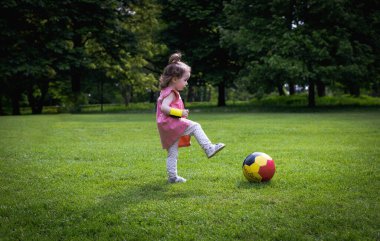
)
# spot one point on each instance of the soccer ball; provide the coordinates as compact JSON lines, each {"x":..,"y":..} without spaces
{"x":258,"y":167}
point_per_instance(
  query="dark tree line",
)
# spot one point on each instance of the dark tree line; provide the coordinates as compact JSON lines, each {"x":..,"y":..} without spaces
{"x":61,"y":49}
{"x":315,"y":43}
{"x":65,"y":43}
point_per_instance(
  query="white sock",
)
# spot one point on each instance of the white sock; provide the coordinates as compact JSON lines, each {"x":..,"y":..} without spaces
{"x":171,"y":161}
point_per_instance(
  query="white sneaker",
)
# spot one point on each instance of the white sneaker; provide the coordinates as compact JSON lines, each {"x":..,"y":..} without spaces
{"x":176,"y":179}
{"x":214,"y":149}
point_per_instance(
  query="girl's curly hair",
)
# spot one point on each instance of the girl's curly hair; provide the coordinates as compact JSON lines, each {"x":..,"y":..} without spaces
{"x":175,"y":69}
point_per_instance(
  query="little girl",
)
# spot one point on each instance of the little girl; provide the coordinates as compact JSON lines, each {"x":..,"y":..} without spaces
{"x":171,"y":116}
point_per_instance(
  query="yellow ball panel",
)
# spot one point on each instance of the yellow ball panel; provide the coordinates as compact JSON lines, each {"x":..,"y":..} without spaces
{"x":257,"y":177}
{"x":252,"y":177}
{"x":261,"y":161}
{"x":253,"y":168}
{"x":252,"y":172}
{"x":246,"y":174}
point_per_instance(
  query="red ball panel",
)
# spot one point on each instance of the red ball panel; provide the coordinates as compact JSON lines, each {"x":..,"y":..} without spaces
{"x":267,"y":171}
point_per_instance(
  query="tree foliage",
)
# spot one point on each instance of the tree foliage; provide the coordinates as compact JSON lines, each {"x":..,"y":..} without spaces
{"x":72,"y":49}
{"x":193,"y":27}
{"x":45,"y":41}
{"x":310,"y":43}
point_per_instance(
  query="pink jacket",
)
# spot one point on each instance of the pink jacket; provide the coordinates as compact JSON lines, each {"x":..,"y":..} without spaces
{"x":170,"y":128}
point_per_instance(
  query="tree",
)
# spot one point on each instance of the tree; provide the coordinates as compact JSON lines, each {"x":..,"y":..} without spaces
{"x":93,"y":30}
{"x":66,"y":40}
{"x":310,"y":42}
{"x":116,"y":38}
{"x":193,"y":27}
{"x":25,"y":62}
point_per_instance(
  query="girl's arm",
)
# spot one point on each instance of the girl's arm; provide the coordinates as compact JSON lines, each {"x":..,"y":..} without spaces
{"x":165,"y":107}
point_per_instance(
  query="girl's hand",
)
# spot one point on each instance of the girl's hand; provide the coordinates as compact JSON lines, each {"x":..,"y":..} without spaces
{"x":185,"y":113}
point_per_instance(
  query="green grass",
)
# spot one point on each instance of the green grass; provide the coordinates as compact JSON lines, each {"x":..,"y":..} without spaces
{"x":103,"y":177}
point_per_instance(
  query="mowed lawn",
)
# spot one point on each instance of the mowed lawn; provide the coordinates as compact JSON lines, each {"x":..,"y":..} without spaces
{"x":103,"y":177}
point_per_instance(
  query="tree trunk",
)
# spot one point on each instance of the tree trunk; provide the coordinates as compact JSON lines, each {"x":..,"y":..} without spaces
{"x":1,"y":105}
{"x":311,"y":97}
{"x":354,"y":90}
{"x":321,"y":88}
{"x":131,"y":93}
{"x":101,"y":94}
{"x":190,"y":93}
{"x":75,"y":74}
{"x":31,"y":99}
{"x":37,"y":103}
{"x":292,"y":88}
{"x":280,"y":90}
{"x":204,"y":94}
{"x":126,"y":93}
{"x":222,"y":93}
{"x":375,"y":89}
{"x":15,"y":99}
{"x":152,"y":98}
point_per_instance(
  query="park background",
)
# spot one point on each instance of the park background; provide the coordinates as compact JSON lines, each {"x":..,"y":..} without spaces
{"x":298,"y":80}
{"x":73,"y":56}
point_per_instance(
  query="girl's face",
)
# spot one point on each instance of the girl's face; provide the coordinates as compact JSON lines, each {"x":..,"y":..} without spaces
{"x":180,"y":84}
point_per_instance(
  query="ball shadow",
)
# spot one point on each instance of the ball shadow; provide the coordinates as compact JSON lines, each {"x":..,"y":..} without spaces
{"x":243,"y":184}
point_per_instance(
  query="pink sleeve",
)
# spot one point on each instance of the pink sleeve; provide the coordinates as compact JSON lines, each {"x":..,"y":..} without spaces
{"x":165,"y":92}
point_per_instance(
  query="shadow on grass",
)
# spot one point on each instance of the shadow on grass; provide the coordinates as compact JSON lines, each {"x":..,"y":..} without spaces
{"x":242,"y":184}
{"x":158,"y":190}
{"x":113,"y":207}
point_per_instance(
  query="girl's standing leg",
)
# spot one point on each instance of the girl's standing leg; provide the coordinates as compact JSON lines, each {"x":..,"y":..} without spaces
{"x":210,"y":149}
{"x":171,"y":164}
